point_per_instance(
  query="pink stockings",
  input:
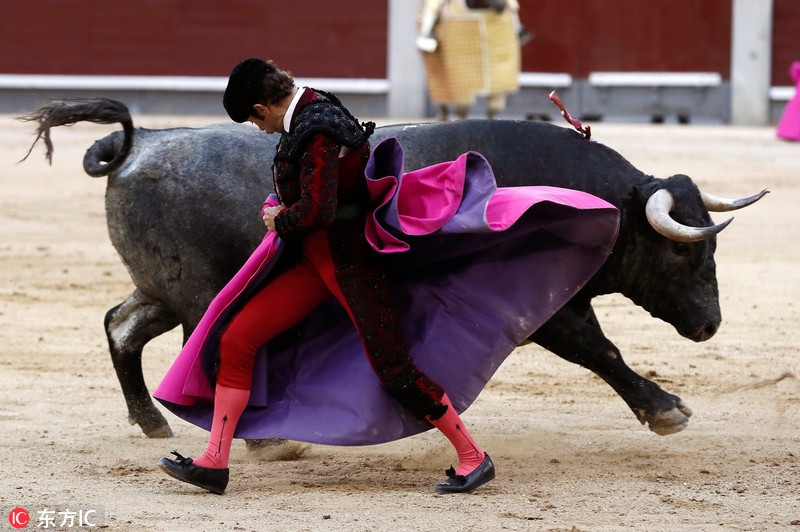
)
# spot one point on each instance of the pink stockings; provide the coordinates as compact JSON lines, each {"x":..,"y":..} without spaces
{"x":229,"y":403}
{"x":470,"y":455}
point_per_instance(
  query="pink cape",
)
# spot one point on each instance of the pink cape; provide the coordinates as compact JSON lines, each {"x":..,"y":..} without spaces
{"x":789,"y":125}
{"x":479,"y":269}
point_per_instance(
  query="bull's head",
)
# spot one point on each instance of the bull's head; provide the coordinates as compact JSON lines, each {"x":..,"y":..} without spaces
{"x":670,"y":268}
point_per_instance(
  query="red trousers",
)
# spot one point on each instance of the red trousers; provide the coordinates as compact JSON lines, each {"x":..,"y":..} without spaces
{"x":365,"y":295}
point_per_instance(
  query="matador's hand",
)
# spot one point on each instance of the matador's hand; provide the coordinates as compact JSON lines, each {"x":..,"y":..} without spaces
{"x":269,"y":216}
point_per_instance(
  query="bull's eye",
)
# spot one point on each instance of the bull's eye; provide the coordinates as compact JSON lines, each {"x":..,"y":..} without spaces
{"x":680,"y":248}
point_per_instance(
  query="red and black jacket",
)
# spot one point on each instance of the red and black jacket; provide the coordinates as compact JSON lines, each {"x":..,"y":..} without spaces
{"x":311,"y":179}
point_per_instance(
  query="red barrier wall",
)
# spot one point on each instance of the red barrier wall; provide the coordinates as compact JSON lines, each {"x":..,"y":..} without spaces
{"x":785,"y":39}
{"x":192,"y":37}
{"x":320,"y":38}
{"x":581,"y":36}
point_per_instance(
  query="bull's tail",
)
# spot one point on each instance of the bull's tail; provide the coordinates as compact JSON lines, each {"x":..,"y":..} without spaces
{"x":105,"y":156}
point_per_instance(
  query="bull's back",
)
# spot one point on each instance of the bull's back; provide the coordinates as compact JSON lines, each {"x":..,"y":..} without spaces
{"x":183,"y":209}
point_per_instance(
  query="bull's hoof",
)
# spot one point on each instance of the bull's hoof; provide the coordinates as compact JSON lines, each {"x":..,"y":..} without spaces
{"x":670,"y":421}
{"x":153,"y":429}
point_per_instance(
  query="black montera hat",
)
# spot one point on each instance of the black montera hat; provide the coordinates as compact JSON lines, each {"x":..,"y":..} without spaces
{"x":244,"y":88}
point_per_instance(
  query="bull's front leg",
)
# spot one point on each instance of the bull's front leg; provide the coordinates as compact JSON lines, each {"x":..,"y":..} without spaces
{"x":129,"y":326}
{"x":577,"y":337}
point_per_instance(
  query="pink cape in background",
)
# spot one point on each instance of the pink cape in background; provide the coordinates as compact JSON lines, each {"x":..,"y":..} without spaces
{"x":789,"y":125}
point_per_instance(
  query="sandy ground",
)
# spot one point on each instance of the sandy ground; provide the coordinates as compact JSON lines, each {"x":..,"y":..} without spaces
{"x":570,"y":455}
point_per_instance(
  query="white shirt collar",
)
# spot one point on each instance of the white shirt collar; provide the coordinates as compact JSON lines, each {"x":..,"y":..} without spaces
{"x":287,"y":118}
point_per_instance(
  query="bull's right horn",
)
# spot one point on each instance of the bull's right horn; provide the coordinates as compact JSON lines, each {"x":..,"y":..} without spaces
{"x":657,"y":211}
{"x":717,"y":204}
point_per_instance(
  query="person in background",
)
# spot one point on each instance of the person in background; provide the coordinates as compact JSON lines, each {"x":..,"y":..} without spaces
{"x":471,"y":48}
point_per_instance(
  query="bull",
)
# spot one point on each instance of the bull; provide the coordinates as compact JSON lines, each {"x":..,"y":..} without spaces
{"x":182,"y":210}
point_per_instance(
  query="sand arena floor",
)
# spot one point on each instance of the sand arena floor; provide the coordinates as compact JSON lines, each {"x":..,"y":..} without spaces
{"x":570,"y":455}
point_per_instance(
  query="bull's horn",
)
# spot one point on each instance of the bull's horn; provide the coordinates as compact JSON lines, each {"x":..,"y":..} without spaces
{"x":657,"y":211}
{"x":717,"y":204}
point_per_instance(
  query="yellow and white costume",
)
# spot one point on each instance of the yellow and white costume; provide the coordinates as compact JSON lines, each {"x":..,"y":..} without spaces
{"x":470,"y":53}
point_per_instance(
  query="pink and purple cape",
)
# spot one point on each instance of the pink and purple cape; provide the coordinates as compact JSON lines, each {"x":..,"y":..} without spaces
{"x":480,"y":268}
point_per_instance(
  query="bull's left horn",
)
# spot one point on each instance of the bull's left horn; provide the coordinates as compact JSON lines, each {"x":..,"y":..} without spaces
{"x":717,"y":204}
{"x":657,"y":211}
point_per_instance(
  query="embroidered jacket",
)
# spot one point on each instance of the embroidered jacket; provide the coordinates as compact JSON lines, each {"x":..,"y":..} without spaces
{"x":319,"y":165}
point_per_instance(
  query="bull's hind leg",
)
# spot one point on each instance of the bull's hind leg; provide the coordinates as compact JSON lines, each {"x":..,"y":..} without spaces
{"x":129,"y":326}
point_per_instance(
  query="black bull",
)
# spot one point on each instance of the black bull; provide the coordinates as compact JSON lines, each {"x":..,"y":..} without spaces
{"x":182,"y":210}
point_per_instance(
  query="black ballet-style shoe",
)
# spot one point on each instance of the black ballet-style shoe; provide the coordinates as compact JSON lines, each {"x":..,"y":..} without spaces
{"x":182,"y":468}
{"x":466,"y":483}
